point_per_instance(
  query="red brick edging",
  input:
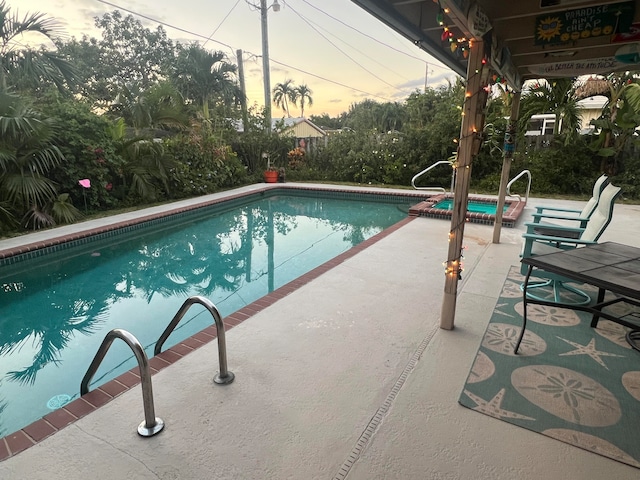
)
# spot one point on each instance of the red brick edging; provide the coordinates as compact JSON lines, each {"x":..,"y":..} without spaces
{"x":51,"y":423}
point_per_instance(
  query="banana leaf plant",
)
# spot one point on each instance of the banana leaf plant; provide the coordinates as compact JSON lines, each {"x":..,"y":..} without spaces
{"x":618,"y":122}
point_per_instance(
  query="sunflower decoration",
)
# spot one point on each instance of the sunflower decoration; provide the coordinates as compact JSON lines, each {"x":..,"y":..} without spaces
{"x":548,"y":28}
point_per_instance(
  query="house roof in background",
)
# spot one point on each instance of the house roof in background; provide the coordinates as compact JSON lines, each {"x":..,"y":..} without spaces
{"x":300,"y":126}
{"x":294,"y":123}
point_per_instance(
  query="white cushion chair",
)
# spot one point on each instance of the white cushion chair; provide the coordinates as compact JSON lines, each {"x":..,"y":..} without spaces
{"x":569,"y":216}
{"x":559,"y":238}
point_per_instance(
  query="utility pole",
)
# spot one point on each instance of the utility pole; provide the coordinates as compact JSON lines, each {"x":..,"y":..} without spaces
{"x":265,"y":65}
{"x":426,"y":77}
{"x":243,"y":89}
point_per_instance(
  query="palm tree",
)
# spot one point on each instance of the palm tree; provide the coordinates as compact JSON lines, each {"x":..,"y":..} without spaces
{"x":159,"y":106}
{"x":303,"y":94}
{"x":558,"y":97}
{"x":26,"y":155}
{"x":206,"y":78}
{"x":26,"y":67}
{"x":283,"y":93}
{"x":146,"y":164}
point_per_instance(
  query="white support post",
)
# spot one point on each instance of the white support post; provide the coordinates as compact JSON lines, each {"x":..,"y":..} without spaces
{"x":506,"y":164}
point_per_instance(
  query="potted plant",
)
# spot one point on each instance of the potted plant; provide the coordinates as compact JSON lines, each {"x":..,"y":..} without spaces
{"x":271,"y":173}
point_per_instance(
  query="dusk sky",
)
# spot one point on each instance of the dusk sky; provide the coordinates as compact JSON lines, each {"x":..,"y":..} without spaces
{"x":343,"y":54}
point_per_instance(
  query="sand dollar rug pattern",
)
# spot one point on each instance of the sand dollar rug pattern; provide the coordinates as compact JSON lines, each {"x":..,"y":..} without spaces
{"x":571,"y":382}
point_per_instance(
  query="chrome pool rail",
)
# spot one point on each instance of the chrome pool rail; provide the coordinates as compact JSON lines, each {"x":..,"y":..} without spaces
{"x":151,"y":424}
{"x":224,"y":377}
{"x":434,"y":189}
{"x":516,"y":178}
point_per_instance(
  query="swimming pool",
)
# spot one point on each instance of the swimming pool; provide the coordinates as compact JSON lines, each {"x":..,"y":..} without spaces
{"x":56,"y":308}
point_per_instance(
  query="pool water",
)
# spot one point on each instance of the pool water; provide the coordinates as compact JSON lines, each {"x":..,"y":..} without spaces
{"x":56,"y":309}
{"x":475,"y":207}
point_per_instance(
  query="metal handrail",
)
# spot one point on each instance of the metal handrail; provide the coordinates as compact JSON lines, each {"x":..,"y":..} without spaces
{"x":435,"y":189}
{"x":151,"y":424}
{"x":224,"y":376}
{"x":517,"y":177}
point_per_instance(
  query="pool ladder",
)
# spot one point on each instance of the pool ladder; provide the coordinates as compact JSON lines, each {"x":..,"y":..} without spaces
{"x":523,"y":173}
{"x":526,"y":173}
{"x":434,"y":189}
{"x":152,"y":424}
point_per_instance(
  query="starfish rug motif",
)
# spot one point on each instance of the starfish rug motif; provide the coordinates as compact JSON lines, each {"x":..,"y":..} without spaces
{"x":572,"y":382}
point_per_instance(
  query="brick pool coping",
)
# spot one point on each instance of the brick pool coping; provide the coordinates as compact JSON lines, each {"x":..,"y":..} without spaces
{"x":59,"y":240}
{"x":509,"y":217}
{"x":51,"y":423}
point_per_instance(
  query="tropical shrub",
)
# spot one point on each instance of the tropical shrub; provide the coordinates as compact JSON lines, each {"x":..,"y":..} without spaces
{"x":562,"y":169}
{"x":255,"y":147}
{"x":89,"y":151}
{"x":202,"y":166}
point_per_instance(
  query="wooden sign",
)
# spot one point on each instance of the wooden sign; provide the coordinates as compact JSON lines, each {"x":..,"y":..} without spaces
{"x":594,"y":21}
{"x":478,"y":21}
{"x":574,"y":68}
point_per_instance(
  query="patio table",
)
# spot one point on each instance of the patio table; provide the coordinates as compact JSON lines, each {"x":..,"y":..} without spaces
{"x":609,"y":266}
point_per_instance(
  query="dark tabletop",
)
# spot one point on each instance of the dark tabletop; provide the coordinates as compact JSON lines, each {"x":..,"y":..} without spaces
{"x":609,"y":265}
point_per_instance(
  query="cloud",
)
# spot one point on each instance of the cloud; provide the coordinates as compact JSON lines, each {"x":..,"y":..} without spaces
{"x":412,"y":84}
{"x":441,"y":79}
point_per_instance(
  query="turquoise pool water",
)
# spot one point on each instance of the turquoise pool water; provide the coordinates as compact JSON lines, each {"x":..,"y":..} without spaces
{"x":475,"y":207}
{"x":56,"y":309}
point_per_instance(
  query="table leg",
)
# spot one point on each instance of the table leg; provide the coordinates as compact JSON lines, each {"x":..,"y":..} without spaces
{"x":633,"y":337}
{"x":596,"y":315}
{"x":524,"y":308}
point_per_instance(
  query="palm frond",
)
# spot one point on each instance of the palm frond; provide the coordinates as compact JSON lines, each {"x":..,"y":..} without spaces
{"x":63,"y":211}
{"x":27,"y":189}
{"x":36,"y":219}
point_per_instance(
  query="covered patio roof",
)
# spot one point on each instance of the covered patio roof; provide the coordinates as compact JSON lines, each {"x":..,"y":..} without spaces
{"x":508,"y":42}
{"x":524,"y":39}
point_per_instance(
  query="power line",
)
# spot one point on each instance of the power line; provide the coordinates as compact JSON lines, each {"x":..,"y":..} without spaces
{"x":233,"y":50}
{"x":369,"y":36}
{"x":330,"y":81}
{"x":341,"y":51}
{"x":163,"y":23}
{"x":220,"y":24}
{"x":349,"y":45}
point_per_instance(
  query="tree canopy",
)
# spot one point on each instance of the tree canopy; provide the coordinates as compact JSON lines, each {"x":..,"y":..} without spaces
{"x":23,"y":67}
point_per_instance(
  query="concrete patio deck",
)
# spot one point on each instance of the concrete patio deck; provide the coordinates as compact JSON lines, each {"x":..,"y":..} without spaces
{"x":347,"y":377}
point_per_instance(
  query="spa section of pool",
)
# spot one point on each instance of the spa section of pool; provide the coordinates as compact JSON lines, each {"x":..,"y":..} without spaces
{"x":479,"y":209}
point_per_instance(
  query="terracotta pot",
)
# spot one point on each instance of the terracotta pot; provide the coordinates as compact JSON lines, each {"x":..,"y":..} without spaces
{"x":271,"y":176}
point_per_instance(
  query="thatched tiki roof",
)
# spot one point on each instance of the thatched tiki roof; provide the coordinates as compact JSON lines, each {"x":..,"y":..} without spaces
{"x":591,"y":87}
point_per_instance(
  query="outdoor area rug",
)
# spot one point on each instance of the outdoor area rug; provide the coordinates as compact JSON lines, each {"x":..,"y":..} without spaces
{"x":569,"y":381}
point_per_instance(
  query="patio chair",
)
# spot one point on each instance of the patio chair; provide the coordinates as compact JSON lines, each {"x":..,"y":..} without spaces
{"x":570,"y":215}
{"x":566,"y":238}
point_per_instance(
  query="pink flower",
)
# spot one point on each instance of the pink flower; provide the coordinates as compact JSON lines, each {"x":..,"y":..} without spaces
{"x":85,"y":182}
{"x":108,"y":187}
